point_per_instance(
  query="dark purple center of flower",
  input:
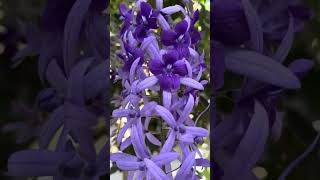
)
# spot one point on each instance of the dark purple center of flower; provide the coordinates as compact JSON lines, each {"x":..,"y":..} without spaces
{"x":168,"y":69}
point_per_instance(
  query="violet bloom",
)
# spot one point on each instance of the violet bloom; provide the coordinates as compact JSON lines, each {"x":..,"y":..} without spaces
{"x":179,"y":38}
{"x":146,"y":20}
{"x":169,"y":70}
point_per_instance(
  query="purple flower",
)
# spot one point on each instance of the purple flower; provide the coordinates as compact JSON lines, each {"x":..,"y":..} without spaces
{"x":146,"y":19}
{"x":169,"y":70}
{"x":179,"y":38}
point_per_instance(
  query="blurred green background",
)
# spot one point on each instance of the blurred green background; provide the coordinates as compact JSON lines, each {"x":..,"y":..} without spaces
{"x":302,"y":107}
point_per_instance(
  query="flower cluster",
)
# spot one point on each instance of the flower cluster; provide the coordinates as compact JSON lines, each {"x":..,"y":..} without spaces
{"x":72,"y":48}
{"x":159,"y":58}
{"x":252,"y":39}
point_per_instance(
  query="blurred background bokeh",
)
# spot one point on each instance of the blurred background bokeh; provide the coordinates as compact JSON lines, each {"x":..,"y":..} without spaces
{"x":19,"y":87}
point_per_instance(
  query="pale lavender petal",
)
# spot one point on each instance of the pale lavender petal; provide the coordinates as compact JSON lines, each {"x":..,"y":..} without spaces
{"x":128,"y":165}
{"x":163,"y":22}
{"x":165,"y":158}
{"x":187,"y":138}
{"x":187,"y":109}
{"x":186,"y":166}
{"x":167,"y":147}
{"x":122,"y":132}
{"x":197,"y":131}
{"x":159,"y":4}
{"x":148,"y":109}
{"x":166,"y":99}
{"x":117,"y":113}
{"x":189,"y":68}
{"x":173,"y":9}
{"x":147,"y":83}
{"x":153,"y":139}
{"x":138,"y":143}
{"x":191,"y":83}
{"x":122,"y":157}
{"x":126,"y":143}
{"x":156,"y":171}
{"x":140,"y":175}
{"x":131,"y":175}
{"x":166,"y":115}
{"x":147,"y":122}
{"x":133,"y":69}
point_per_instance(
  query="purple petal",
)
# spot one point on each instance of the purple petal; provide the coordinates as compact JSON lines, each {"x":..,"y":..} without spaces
{"x":76,"y":82}
{"x":163,"y":23}
{"x":170,"y":58}
{"x":203,"y":162}
{"x":168,"y":37}
{"x":147,"y":83}
{"x":123,"y":9}
{"x":95,"y":82}
{"x":148,"y":109}
{"x":122,"y":132}
{"x":72,"y":32}
{"x":301,"y":67}
{"x":165,"y":158}
{"x":181,"y":27}
{"x":156,"y":171}
{"x":286,"y":43}
{"x":167,"y":147}
{"x":55,"y":77}
{"x":179,"y":67}
{"x":156,"y":66}
{"x":51,"y":127}
{"x":255,"y":138}
{"x":166,"y":115}
{"x":36,"y":162}
{"x":197,"y":131}
{"x":187,"y":138}
{"x":122,"y":157}
{"x":186,"y":166}
{"x":255,"y":25}
{"x":128,"y":165}
{"x":187,"y":109}
{"x":117,"y":113}
{"x":140,"y":32}
{"x":133,"y":69}
{"x":126,"y":143}
{"x":261,"y":67}
{"x":146,"y":9}
{"x":153,"y":139}
{"x":191,"y":83}
{"x":169,"y":82}
{"x":172,"y":9}
{"x":138,"y":143}
{"x":166,"y":99}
